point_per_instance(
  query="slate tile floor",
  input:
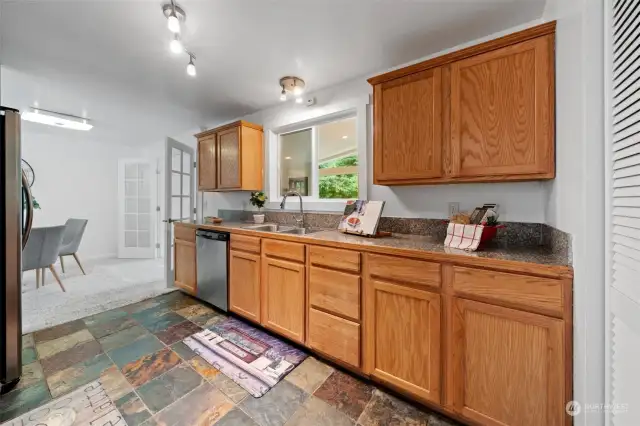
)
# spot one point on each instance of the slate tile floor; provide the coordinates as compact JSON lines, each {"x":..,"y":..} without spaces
{"x":155,"y":379}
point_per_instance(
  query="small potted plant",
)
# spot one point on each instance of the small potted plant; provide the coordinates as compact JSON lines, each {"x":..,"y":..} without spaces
{"x":258,"y":199}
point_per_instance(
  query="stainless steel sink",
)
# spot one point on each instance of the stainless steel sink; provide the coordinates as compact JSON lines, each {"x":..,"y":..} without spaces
{"x":299,"y":231}
{"x":269,"y":228}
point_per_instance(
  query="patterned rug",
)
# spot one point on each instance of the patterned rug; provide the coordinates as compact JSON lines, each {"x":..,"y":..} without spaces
{"x":251,"y":358}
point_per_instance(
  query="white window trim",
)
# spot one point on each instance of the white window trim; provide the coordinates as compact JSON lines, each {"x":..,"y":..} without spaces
{"x":313,"y":202}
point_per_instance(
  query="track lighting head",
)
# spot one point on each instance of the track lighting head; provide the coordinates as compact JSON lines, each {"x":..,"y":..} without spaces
{"x":174,"y":15}
{"x":176,"y":45}
{"x":191,"y":67}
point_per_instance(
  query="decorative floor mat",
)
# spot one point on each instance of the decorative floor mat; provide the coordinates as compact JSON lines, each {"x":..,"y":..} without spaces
{"x":88,"y":405}
{"x":251,"y":358}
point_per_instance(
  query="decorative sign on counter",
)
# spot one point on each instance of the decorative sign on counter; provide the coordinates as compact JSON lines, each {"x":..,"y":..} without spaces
{"x":361,"y":217}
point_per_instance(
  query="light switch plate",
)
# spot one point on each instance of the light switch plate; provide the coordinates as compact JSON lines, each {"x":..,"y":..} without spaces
{"x":454,"y":208}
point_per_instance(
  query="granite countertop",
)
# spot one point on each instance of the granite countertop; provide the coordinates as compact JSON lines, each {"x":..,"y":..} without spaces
{"x":531,"y":255}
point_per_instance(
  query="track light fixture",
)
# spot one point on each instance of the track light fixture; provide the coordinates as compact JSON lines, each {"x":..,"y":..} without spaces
{"x":176,"y":44}
{"x":191,"y":67}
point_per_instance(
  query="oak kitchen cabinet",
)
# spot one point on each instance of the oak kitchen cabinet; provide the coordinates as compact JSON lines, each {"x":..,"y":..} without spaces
{"x":185,"y":270}
{"x":230,"y":158}
{"x":244,"y":277}
{"x":481,"y":114}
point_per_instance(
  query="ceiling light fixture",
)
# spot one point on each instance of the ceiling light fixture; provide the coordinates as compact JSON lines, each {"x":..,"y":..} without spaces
{"x":345,"y":137}
{"x":176,"y":45}
{"x":174,"y":15}
{"x":287,"y":158}
{"x":57,"y":119}
{"x":294,"y":85}
{"x":191,"y":67}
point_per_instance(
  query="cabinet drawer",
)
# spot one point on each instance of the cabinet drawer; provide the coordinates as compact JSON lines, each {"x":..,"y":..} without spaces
{"x":283,"y":249}
{"x":540,"y":294}
{"x":184,"y":233}
{"x":334,"y":291}
{"x":405,"y":270}
{"x":245,"y":243}
{"x":335,"y":258}
{"x":336,"y":337}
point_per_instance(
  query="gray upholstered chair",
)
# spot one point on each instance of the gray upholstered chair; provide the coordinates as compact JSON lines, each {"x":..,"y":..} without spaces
{"x":42,"y":251}
{"x":74,"y":230}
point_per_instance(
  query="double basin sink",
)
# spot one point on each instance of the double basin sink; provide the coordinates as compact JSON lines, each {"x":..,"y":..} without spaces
{"x":282,"y":229}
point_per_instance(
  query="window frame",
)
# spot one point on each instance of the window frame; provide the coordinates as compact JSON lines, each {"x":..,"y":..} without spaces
{"x":313,"y":201}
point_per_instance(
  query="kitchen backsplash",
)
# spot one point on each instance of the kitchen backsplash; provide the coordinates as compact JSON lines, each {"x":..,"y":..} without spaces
{"x":514,"y":234}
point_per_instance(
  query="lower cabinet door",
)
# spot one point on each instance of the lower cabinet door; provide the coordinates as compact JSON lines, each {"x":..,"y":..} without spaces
{"x":403,"y":338}
{"x":283,"y":297}
{"x":185,"y":272}
{"x":244,"y":284}
{"x":508,"y":366}
{"x":335,"y":336}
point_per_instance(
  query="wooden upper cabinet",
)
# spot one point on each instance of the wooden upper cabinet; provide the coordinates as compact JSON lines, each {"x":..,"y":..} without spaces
{"x":508,"y":366}
{"x":408,"y":127}
{"x":501,"y":112}
{"x":207,"y":170}
{"x":230,"y":158}
{"x":482,"y":114}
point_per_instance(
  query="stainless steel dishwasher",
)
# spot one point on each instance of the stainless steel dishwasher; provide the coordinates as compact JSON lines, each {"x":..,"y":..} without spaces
{"x":212,"y":250}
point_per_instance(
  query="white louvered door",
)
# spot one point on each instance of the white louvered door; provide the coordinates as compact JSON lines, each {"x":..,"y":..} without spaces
{"x":624,"y":217}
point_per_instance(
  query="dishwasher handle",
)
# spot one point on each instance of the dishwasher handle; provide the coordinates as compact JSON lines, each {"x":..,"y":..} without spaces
{"x":215,"y":236}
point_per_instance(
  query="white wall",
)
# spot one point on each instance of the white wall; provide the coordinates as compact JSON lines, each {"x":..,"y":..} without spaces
{"x":576,"y":196}
{"x":524,"y":202}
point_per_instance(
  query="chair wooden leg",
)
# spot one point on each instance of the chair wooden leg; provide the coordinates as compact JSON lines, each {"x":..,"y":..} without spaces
{"x":43,"y":274}
{"x":37,"y":278}
{"x":55,"y":275}
{"x":75,"y":256}
{"x":62,"y":263}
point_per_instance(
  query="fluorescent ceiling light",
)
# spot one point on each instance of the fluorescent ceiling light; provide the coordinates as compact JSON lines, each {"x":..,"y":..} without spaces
{"x":53,"y":120}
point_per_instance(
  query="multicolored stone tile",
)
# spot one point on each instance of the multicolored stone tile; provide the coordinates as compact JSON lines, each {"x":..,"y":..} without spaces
{"x":141,"y":306}
{"x":183,"y":351}
{"x":28,"y":341}
{"x":58,"y":331}
{"x":20,"y":401}
{"x":122,"y":338}
{"x":318,"y":413}
{"x":52,"y":347}
{"x":29,"y":355}
{"x":276,"y":406}
{"x":159,"y":322}
{"x":385,"y":410}
{"x":77,"y":375}
{"x":181,"y":301}
{"x":231,"y":389}
{"x":152,"y":314}
{"x":202,"y":407}
{"x":136,"y":350}
{"x":203,"y":368}
{"x":114,"y":383}
{"x":132,"y":409}
{"x":237,"y":417}
{"x":169,"y":387}
{"x":346,"y":393}
{"x":31,"y":374}
{"x":208,"y":320}
{"x":309,"y":375}
{"x":76,"y":354}
{"x":105,"y":317}
{"x":177,"y":332}
{"x":150,"y":366}
{"x":194,"y":311}
{"x":103,"y":329}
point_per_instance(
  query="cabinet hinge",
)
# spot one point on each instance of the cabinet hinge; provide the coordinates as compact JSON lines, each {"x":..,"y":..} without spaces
{"x":194,"y":164}
{"x":194,"y":210}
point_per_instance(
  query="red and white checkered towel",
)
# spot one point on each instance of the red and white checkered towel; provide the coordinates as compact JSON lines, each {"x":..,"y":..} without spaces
{"x":465,"y":237}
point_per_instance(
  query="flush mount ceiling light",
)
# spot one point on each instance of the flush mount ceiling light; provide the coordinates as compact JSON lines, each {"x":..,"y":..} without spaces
{"x":292,"y":85}
{"x":174,"y":15}
{"x":57,"y":119}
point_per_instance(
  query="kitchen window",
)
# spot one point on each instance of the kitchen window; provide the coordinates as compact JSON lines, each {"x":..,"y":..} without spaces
{"x":321,"y":161}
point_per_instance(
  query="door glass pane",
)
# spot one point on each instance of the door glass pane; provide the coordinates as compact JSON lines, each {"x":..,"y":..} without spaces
{"x":130,"y":222}
{"x":295,"y":162}
{"x":186,"y":208}
{"x":186,"y":182}
{"x":144,"y":222}
{"x":130,"y":205}
{"x":130,"y":171}
{"x":176,"y":161}
{"x":130,"y":239}
{"x":144,"y":205}
{"x":175,"y":207}
{"x":186,"y":163}
{"x":338,"y":159}
{"x":144,"y":189}
{"x":144,"y":239}
{"x":175,"y":183}
{"x":143,"y":171}
{"x":131,"y":189}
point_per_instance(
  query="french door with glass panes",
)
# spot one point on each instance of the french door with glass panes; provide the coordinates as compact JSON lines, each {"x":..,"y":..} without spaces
{"x":179,"y":195}
{"x":136,"y":233}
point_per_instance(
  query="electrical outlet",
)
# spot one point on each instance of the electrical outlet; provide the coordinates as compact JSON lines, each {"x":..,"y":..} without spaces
{"x":454,"y":208}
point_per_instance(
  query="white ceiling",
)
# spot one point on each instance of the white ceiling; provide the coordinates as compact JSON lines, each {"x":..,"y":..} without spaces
{"x":243,"y":46}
